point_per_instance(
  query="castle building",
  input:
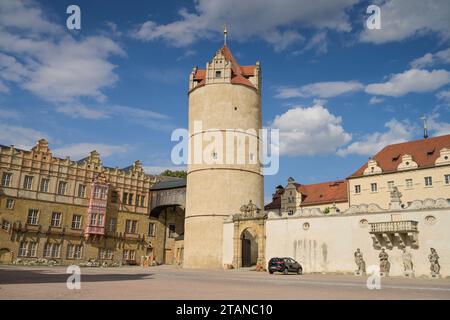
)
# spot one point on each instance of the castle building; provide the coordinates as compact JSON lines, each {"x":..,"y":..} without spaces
{"x":75,"y":211}
{"x":224,"y":104}
{"x":418,"y":169}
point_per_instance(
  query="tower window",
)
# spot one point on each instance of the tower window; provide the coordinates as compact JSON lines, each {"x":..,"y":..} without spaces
{"x":218,"y":74}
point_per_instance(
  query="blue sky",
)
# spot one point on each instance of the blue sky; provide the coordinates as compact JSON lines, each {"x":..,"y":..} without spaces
{"x":337,"y":91}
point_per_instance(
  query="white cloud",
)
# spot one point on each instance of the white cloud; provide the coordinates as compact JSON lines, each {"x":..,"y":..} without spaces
{"x":276,"y":22}
{"x":320,"y":89}
{"x":444,"y":95}
{"x":81,"y":150}
{"x":430,"y":59}
{"x":47,"y":61}
{"x":310,"y":131}
{"x":375,"y":100}
{"x":413,"y":80}
{"x":403,"y":19}
{"x":372,"y":143}
{"x":438,"y":128}
{"x":20,"y":137}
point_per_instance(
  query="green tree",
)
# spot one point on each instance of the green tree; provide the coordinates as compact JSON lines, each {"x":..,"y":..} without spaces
{"x":175,"y":173}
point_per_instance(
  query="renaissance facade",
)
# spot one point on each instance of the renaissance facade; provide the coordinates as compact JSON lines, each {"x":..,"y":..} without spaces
{"x":55,"y":210}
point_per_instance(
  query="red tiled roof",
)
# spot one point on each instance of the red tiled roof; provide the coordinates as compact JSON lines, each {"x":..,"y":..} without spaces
{"x":239,"y":73}
{"x":325,"y":192}
{"x":315,"y":194}
{"x":424,"y":152}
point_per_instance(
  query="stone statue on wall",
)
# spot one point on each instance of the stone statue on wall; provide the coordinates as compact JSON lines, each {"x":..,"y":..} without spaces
{"x":249,"y":210}
{"x":434,"y":262}
{"x":360,"y":263}
{"x":385,"y":265}
{"x":407,"y":261}
{"x":396,"y":195}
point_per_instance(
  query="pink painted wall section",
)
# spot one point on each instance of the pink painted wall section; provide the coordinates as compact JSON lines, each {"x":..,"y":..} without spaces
{"x":97,"y":209}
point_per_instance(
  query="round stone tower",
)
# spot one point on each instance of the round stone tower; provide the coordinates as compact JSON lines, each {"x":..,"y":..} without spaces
{"x":224,"y":171}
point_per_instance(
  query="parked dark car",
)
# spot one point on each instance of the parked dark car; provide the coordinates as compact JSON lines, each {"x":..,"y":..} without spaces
{"x":284,"y":265}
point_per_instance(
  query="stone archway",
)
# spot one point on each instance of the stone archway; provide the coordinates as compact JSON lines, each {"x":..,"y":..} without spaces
{"x":249,"y":242}
{"x":249,"y":248}
{"x":5,"y":256}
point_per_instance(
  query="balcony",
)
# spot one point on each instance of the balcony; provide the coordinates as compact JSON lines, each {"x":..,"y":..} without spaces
{"x":393,"y":227}
{"x":394,"y":233}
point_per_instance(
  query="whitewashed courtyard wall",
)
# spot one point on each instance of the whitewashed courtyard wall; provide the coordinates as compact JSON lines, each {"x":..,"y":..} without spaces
{"x":330,"y":241}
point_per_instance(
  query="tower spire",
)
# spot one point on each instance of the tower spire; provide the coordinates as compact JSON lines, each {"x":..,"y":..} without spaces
{"x":425,"y":129}
{"x":225,"y":33}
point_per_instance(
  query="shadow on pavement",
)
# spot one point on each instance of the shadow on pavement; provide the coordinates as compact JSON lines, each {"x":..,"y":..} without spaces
{"x":41,"y":276}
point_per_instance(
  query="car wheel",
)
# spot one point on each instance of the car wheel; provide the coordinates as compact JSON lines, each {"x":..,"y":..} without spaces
{"x":299,"y":271}
{"x":285,"y":271}
{"x":271,"y":272}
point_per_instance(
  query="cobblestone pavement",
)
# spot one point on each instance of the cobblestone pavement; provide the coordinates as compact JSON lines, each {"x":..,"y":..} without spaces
{"x":168,"y":282}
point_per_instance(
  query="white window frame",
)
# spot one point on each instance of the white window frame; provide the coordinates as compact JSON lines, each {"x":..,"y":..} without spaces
{"x":44,"y":185}
{"x":131,"y":226}
{"x":373,"y":187}
{"x":77,"y":222}
{"x":391,"y":185}
{"x":56,"y":217}
{"x":5,"y":225}
{"x":153,"y":229}
{"x":62,"y":188}
{"x":81,"y":191}
{"x":358,"y":189}
{"x":6,"y":179}
{"x":33,"y":217}
{"x":409,"y":183}
{"x":447,"y":179}
{"x":428,"y":181}
{"x":9,"y":204}
{"x":28,"y":182}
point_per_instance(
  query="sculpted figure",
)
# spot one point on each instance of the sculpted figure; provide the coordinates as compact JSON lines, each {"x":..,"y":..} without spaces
{"x":407,"y":260}
{"x":385,"y":265}
{"x":434,"y":262}
{"x":359,"y":260}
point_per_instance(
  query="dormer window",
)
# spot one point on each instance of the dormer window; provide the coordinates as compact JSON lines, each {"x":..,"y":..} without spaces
{"x":430,"y":152}
{"x":218,"y":74}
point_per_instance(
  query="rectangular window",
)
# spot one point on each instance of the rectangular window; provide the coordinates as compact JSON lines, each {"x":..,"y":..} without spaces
{"x":56,"y":219}
{"x":33,"y":217}
{"x":358,"y":189}
{"x":105,"y":254}
{"x":218,"y":74}
{"x":125,"y":197}
{"x":76,"y":222}
{"x":390,"y":185}
{"x":6,"y":179}
{"x":409,"y":183}
{"x":114,"y":197}
{"x":142,"y":201}
{"x":62,"y":185}
{"x":138,"y":200}
{"x":131,"y":226}
{"x":100,"y":219}
{"x":151,"y":229}
{"x":428,"y":181}
{"x":93,"y":219}
{"x":130,"y":199}
{"x":9,"y":204}
{"x":44,"y":185}
{"x":23,"y":249}
{"x":56,"y":250}
{"x":81,"y":191}
{"x":32,"y":249}
{"x":74,"y":251}
{"x":447,"y":178}
{"x":28,"y":182}
{"x":100,"y":193}
{"x":373,"y":187}
{"x":172,"y":232}
{"x":52,"y":250}
{"x":129,"y":254}
{"x":112,"y":224}
{"x":5,"y":225}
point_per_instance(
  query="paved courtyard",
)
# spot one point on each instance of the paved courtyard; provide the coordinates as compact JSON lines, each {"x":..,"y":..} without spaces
{"x":168,"y":282}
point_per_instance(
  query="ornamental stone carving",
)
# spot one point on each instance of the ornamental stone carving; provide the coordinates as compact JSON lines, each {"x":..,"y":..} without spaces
{"x":360,"y":263}
{"x":385,"y":265}
{"x":435,"y":268}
